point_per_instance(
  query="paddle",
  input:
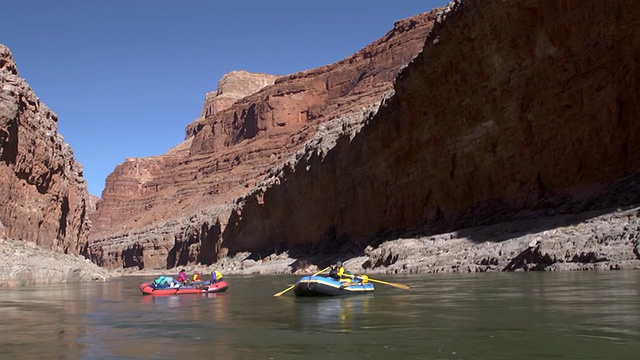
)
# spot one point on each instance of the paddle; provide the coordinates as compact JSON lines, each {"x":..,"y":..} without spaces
{"x":292,"y":286}
{"x":399,"y":286}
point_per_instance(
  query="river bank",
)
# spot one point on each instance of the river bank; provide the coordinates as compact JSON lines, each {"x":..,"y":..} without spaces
{"x":591,"y":241}
{"x":25,"y":264}
{"x":583,"y":242}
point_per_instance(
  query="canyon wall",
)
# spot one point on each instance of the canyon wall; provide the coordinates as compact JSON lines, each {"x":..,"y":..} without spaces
{"x":511,"y":108}
{"x":42,"y":191}
{"x":172,"y":209}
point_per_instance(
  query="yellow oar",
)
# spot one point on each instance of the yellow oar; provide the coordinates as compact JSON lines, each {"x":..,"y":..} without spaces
{"x":399,"y":286}
{"x":292,"y":286}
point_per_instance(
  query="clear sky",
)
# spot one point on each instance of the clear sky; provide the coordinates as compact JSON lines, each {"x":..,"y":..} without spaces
{"x":126,"y":76}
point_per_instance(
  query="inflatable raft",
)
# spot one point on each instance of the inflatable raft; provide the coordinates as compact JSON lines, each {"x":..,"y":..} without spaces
{"x":327,"y":286}
{"x":148,"y":289}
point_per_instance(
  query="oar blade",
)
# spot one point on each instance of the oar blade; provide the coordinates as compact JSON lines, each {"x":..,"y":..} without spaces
{"x":396,"y":285}
{"x":284,"y":291}
{"x":400,"y":286}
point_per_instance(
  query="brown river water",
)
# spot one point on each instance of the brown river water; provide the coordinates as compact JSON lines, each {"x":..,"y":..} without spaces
{"x":572,"y":315}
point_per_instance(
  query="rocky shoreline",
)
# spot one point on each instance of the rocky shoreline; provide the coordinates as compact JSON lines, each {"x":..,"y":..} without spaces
{"x":584,"y":242}
{"x":27,"y":264}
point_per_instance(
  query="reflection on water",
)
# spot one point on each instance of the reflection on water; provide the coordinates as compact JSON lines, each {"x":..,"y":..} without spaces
{"x":25,"y":325}
{"x":218,"y":312}
{"x":333,"y":313}
{"x":465,"y":316}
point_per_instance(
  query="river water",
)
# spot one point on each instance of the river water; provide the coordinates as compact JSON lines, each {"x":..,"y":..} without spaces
{"x":536,"y":315}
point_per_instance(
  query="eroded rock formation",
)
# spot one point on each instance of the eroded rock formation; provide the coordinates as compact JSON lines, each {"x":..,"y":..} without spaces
{"x":231,"y":88}
{"x":42,"y":191}
{"x":226,"y":152}
{"x":512,"y":109}
{"x":511,"y":106}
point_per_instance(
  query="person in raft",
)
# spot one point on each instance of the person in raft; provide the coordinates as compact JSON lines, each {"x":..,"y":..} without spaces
{"x":216,"y":276}
{"x":182,"y":277}
{"x":197,"y":280}
{"x":163,"y":282}
{"x":338,"y":272}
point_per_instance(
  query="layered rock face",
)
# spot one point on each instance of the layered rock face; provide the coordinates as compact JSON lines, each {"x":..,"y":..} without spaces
{"x":174,"y":208}
{"x":142,"y":174}
{"x":42,"y":191}
{"x":512,"y":106}
{"x":231,"y":88}
{"x":512,"y":109}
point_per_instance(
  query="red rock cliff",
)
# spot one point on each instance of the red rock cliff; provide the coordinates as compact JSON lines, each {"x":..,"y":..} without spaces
{"x":511,"y":106}
{"x":42,"y":191}
{"x":231,"y":88}
{"x":173,"y":209}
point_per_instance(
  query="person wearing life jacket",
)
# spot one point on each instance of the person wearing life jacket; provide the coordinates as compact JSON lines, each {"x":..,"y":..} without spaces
{"x":338,"y":272}
{"x":182,"y":277}
{"x":216,"y":276}
{"x":197,"y":281}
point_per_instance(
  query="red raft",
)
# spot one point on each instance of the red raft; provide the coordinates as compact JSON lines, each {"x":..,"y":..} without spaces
{"x":220,"y":286}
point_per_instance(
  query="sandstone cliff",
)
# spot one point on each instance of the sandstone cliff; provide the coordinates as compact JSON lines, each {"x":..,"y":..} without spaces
{"x":513,"y":110}
{"x":42,"y":191}
{"x":172,"y":209}
{"x":511,"y":107}
{"x":231,"y":88}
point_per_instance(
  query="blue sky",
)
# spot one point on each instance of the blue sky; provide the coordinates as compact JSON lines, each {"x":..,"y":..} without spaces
{"x":125,"y":77}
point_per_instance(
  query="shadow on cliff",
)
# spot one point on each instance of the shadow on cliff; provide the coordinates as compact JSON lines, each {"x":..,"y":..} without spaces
{"x":496,"y":222}
{"x":206,"y":238}
{"x":332,"y":206}
{"x":443,"y":154}
{"x":329,"y":250}
{"x":488,"y":222}
{"x":500,"y":224}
